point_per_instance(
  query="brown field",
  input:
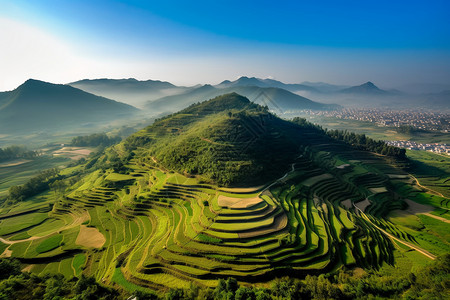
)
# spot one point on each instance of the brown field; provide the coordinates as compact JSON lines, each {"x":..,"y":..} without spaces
{"x":343,"y":166}
{"x":363,"y":204}
{"x":231,"y":202}
{"x":90,"y":237}
{"x":73,"y":153}
{"x":378,"y":190}
{"x":347,"y":204}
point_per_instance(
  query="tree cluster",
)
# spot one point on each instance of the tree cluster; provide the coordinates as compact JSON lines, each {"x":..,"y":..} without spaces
{"x":359,"y":141}
{"x":14,"y":152}
{"x":362,"y":142}
{"x":95,"y":140}
{"x":33,"y":186}
{"x":17,"y":285}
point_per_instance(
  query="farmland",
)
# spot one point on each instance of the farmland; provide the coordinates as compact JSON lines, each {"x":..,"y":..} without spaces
{"x":157,"y":227}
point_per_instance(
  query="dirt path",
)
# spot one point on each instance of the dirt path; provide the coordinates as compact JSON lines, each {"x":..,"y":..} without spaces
{"x":427,"y":188}
{"x":6,"y":253}
{"x":8,"y":242}
{"x":420,"y":250}
{"x":436,"y":217}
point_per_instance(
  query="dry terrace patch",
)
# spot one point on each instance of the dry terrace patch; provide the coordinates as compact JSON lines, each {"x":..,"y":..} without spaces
{"x":378,"y":190}
{"x":230,"y":202}
{"x":343,"y":166}
{"x":363,"y":204}
{"x":73,"y":153}
{"x":90,"y":237}
{"x":347,"y":203}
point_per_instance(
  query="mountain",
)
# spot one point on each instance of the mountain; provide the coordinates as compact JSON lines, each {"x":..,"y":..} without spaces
{"x":228,"y":139}
{"x":38,"y":105}
{"x":367,"y":88}
{"x":253,"y":81}
{"x":130,"y":91}
{"x":276,"y":99}
{"x":324,"y":87}
{"x":177,"y":102}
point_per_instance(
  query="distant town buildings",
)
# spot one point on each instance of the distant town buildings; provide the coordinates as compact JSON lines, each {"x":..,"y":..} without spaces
{"x":423,"y":120}
{"x":405,"y":120}
{"x":435,"y":147}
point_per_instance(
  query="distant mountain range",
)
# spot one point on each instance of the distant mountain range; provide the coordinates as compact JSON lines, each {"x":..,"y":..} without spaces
{"x":38,"y":105}
{"x":277,"y":99}
{"x":266,"y":83}
{"x":130,"y":91}
{"x":160,"y":96}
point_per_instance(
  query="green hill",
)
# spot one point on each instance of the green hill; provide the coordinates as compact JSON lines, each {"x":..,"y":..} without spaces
{"x":228,"y":139}
{"x":38,"y":105}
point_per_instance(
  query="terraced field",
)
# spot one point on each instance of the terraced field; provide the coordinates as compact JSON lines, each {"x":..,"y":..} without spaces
{"x":157,"y":229}
{"x":131,"y":220}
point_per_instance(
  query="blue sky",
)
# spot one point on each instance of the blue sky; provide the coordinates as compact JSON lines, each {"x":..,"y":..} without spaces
{"x":391,"y":43}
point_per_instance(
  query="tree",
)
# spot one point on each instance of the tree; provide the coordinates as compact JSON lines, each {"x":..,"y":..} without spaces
{"x":9,"y":267}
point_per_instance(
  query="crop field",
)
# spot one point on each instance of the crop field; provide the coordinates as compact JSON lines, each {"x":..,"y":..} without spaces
{"x":130,"y":220}
{"x":16,"y":174}
{"x":156,"y":229}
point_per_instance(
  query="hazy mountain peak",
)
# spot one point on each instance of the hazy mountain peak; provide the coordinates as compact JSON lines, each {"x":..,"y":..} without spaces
{"x":34,"y":82}
{"x":369,"y":84}
{"x":365,"y":88}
